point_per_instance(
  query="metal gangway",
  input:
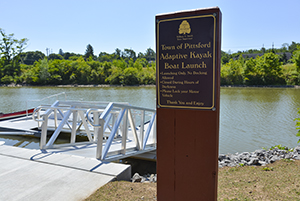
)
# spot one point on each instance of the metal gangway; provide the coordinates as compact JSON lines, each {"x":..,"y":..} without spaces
{"x":118,"y":130}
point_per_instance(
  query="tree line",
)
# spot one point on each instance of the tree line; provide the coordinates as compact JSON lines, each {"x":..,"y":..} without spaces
{"x":81,"y":71}
{"x":35,"y":68}
{"x":279,"y":66}
{"x":283,"y":52}
{"x":264,"y":67}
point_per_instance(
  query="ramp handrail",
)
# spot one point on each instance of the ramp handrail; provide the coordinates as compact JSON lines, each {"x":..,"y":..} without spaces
{"x":124,"y":115}
{"x":109,"y":122}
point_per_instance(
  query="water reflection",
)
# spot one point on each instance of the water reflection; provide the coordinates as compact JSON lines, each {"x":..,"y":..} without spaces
{"x":252,"y":118}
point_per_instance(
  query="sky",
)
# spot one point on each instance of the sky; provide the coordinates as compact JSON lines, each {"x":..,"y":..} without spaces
{"x":71,"y":25}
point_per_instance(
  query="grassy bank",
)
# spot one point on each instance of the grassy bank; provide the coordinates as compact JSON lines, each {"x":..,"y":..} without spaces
{"x":277,"y":181}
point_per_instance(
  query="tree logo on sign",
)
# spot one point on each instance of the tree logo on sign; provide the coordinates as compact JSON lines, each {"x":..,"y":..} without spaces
{"x":184,"y":27}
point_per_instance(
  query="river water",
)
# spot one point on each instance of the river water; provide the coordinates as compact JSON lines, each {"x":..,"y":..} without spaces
{"x":250,"y":118}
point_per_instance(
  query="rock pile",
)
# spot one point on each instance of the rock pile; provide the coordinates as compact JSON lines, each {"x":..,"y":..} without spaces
{"x":144,"y":179}
{"x":257,"y":158}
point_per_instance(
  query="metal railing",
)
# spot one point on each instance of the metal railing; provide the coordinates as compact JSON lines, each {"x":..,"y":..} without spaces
{"x":112,"y":126}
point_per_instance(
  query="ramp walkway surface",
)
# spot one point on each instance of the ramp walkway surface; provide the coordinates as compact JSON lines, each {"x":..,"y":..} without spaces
{"x":32,"y":174}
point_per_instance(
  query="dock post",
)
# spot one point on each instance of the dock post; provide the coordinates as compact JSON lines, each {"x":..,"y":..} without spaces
{"x":44,"y":132}
{"x":96,"y":122}
{"x":124,"y":131}
{"x":74,"y":124}
{"x":100,"y":131}
{"x":142,"y":128}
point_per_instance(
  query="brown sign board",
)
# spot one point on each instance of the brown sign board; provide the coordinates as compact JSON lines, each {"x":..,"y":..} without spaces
{"x":186,"y":61}
{"x":188,"y":49}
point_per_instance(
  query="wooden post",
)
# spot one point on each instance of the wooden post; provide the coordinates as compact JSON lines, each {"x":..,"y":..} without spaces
{"x":188,"y":104}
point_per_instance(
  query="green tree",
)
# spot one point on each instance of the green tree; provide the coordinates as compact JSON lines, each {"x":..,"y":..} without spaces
{"x":120,"y":63}
{"x":293,"y":47}
{"x":285,"y":47}
{"x":82,"y":71}
{"x":115,"y":77}
{"x":71,"y":56}
{"x":118,"y":53}
{"x":67,"y":55}
{"x":10,"y":50}
{"x":97,"y":72}
{"x":141,"y":55}
{"x":129,"y":54}
{"x":103,"y":56}
{"x":283,"y":58}
{"x":44,"y":74}
{"x":56,"y":70}
{"x":270,"y":68}
{"x":106,"y":68}
{"x":252,"y":75}
{"x":296,"y":58}
{"x":55,"y":56}
{"x":89,"y":52}
{"x":130,"y":76}
{"x":30,"y":57}
{"x":7,"y":79}
{"x":60,"y":51}
{"x":150,"y":55}
{"x":225,"y":57}
{"x":232,"y":72}
{"x":298,"y":125}
{"x":140,"y":63}
{"x":29,"y":74}
{"x":148,"y":75}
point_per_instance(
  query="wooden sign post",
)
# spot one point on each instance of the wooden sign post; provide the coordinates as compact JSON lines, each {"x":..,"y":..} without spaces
{"x":188,"y":104}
